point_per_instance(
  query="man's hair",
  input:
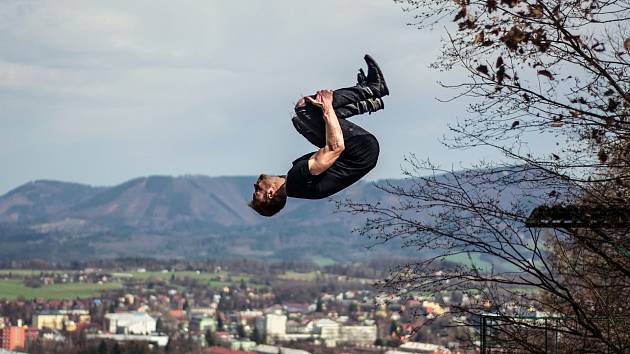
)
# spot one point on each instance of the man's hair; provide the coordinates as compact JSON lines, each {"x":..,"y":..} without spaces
{"x":270,"y":207}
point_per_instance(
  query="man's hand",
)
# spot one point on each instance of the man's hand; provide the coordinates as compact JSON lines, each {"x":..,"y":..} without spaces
{"x":323,"y":99}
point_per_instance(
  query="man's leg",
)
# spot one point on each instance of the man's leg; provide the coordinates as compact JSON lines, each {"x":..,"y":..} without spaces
{"x":351,"y":95}
{"x":371,"y":86}
{"x":312,"y":134}
{"x":363,"y":98}
{"x":370,"y":106}
{"x":345,"y":96}
{"x":351,"y":101}
{"x":310,"y":123}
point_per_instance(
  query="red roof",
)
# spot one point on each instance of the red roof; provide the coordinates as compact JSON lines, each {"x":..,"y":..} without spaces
{"x":179,"y":314}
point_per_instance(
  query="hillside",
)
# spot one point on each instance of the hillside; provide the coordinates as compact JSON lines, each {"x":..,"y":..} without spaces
{"x":188,"y":216}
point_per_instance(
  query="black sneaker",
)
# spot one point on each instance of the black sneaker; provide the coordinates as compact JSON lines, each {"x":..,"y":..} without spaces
{"x":375,"y":79}
{"x":361,"y":78}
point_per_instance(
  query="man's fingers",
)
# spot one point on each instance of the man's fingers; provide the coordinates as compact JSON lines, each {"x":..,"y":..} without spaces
{"x":320,"y":97}
{"x":316,"y":102}
{"x":326,"y":97}
{"x":325,"y":94}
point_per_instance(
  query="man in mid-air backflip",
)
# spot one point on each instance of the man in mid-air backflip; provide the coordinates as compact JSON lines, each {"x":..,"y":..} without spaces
{"x":346,"y":152}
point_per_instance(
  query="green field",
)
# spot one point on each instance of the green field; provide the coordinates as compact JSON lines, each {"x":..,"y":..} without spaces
{"x":201,"y":276}
{"x":310,"y":276}
{"x":13,"y":288}
{"x":323,"y":261}
{"x":207,"y":277}
{"x":465,"y":259}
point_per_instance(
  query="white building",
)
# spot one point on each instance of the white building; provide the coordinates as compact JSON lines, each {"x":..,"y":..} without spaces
{"x":130,"y":323}
{"x":417,"y":347}
{"x":271,"y":325}
{"x":358,"y":334}
{"x":327,"y":329}
{"x":270,"y":349}
{"x":160,"y":340}
{"x":332,"y":332}
{"x":274,"y":327}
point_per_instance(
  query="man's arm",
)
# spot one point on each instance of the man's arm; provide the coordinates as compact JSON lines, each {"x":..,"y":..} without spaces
{"x":326,"y":156}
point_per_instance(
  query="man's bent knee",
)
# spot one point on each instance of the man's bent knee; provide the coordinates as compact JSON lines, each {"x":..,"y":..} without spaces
{"x":300,"y":103}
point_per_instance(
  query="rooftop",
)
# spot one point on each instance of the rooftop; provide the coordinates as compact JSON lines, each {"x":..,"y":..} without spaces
{"x":128,"y":316}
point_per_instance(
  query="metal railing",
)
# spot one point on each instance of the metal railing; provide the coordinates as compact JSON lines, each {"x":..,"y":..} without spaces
{"x":553,"y":335}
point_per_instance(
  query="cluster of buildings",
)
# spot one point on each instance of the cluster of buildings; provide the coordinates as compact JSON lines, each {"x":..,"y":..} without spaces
{"x":276,"y":326}
{"x":88,"y":275}
{"x":230,"y":320}
{"x":271,"y":330}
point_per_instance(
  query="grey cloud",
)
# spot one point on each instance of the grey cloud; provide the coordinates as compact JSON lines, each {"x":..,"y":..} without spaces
{"x":98,"y":92}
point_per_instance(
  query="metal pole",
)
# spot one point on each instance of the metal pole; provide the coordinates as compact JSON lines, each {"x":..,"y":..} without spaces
{"x":483,"y":335}
{"x":546,"y":348}
{"x":557,"y":344}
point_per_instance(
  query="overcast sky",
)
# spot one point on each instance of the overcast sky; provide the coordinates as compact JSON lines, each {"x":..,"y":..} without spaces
{"x":98,"y":92}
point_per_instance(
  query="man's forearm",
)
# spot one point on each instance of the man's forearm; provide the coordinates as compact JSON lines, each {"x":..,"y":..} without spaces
{"x":327,"y":155}
{"x":334,"y":135}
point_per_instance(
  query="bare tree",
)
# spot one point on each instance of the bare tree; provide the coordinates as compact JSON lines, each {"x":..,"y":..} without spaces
{"x":556,"y":69}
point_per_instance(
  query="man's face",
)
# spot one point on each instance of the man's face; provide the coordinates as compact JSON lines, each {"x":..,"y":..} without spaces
{"x":261,"y":188}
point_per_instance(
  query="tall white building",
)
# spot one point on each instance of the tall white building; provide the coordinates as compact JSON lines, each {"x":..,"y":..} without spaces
{"x":130,"y":323}
{"x":271,"y":325}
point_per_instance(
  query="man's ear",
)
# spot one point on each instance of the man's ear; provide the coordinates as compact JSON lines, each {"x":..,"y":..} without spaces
{"x":271,"y":192}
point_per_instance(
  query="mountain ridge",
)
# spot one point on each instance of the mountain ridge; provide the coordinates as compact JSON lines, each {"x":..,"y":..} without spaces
{"x":164,"y":216}
{"x":197,"y":216}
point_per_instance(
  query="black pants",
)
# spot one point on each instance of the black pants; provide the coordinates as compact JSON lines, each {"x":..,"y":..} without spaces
{"x":361,"y":147}
{"x":309,"y":120}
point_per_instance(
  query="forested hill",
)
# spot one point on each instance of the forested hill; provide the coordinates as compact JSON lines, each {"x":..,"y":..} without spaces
{"x":188,"y":216}
{"x":182,"y":217}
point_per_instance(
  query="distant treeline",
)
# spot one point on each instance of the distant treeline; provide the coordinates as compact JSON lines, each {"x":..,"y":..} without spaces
{"x":374,"y":268}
